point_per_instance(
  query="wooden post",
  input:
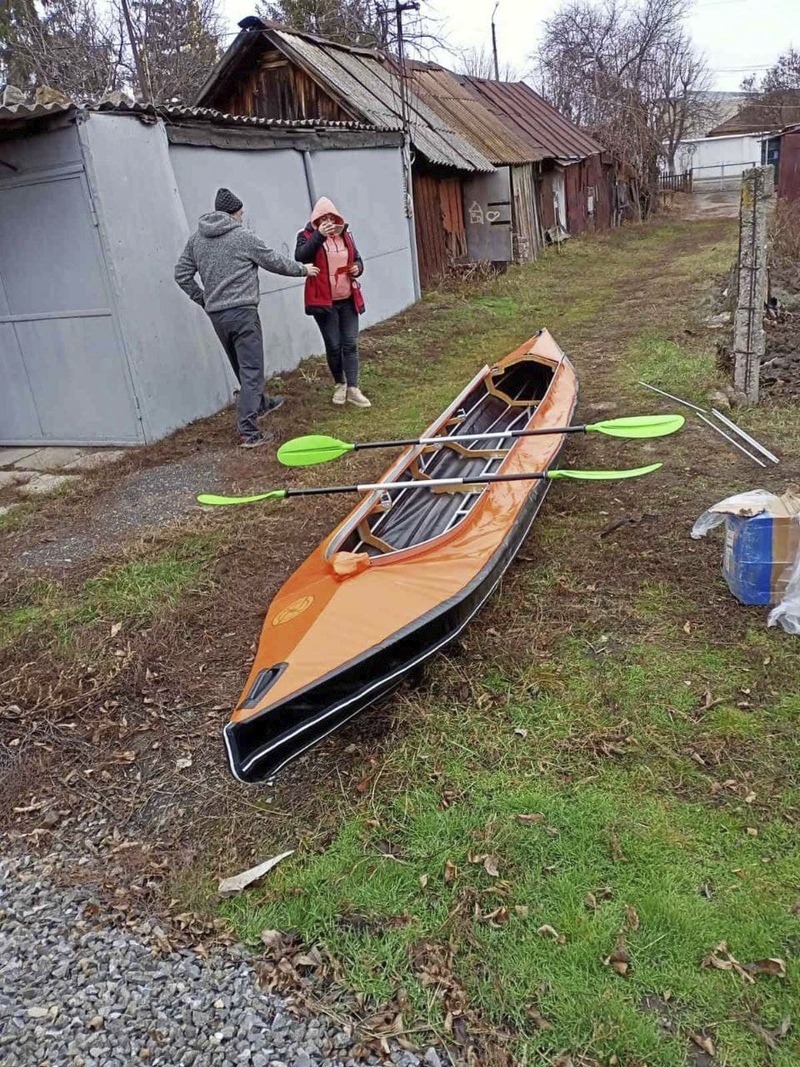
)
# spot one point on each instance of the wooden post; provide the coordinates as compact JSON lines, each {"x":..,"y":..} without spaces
{"x":748,"y":323}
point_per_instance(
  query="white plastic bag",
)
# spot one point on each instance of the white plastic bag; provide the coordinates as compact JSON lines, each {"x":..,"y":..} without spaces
{"x":787,"y":613}
{"x":742,"y":504}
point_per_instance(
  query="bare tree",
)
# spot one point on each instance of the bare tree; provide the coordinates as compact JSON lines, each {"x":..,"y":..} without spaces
{"x":70,"y":47}
{"x":479,"y":63}
{"x":361,"y":23}
{"x":776,"y":101}
{"x":172,"y":45}
{"x":681,"y":82}
{"x":784,"y":75}
{"x":625,"y":70}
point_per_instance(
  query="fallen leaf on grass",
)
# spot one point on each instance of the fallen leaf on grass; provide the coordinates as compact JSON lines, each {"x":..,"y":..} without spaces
{"x":548,"y":931}
{"x":771,"y":1037}
{"x":184,"y":763}
{"x":774,"y":967}
{"x":537,"y":1018}
{"x":521,"y":731}
{"x":490,"y":866}
{"x":703,"y":1042}
{"x":632,"y":917}
{"x":450,"y":872}
{"x":522,"y":910}
{"x":687,"y":627}
{"x":423,"y":881}
{"x":620,"y":959}
{"x":590,"y":903}
{"x":496,"y":918}
{"x":230,"y":886}
{"x":722,"y":960}
{"x":529,"y":820}
{"x":115,"y":629}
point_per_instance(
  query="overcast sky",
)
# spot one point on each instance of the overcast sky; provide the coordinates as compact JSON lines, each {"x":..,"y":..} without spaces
{"x":738,"y":37}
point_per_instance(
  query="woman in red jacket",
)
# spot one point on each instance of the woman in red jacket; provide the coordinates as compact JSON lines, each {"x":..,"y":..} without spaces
{"x":333,"y":297}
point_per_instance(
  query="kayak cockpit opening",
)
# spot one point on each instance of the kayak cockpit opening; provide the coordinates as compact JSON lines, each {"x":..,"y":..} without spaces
{"x":407,"y":518}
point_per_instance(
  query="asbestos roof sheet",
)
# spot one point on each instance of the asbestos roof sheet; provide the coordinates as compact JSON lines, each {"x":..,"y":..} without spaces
{"x":533,"y":117}
{"x":205,"y":114}
{"x":368,"y":86}
{"x":20,"y":114}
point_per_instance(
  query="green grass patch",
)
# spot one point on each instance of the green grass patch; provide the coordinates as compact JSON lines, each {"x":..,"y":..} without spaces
{"x":686,"y":371}
{"x":136,"y":590}
{"x":693,"y":877}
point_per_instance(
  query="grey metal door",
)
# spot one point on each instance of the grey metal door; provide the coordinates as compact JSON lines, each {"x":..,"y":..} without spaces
{"x":487,"y":216}
{"x":64,"y":377}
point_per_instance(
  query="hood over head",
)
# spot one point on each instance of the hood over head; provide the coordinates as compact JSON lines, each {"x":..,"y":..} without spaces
{"x":324,"y":206}
{"x":216,"y":223}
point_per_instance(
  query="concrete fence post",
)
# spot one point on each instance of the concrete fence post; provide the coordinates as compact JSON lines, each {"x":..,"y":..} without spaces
{"x":748,"y":323}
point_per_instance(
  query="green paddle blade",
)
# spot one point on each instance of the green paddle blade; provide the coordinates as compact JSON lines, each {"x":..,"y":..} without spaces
{"x":223,"y":501}
{"x":603,"y":476}
{"x":314,"y":448}
{"x":639,"y":426}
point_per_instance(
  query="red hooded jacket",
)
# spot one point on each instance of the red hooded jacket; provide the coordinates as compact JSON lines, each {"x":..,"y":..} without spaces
{"x":310,"y":248}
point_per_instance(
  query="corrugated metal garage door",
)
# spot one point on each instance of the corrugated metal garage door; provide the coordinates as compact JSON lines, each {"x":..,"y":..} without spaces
{"x":64,"y":376}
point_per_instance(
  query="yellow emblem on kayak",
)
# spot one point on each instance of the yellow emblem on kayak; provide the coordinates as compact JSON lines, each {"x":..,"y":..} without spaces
{"x":297,"y":607}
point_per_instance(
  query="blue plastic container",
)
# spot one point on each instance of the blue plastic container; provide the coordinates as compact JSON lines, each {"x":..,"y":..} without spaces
{"x":758,"y":551}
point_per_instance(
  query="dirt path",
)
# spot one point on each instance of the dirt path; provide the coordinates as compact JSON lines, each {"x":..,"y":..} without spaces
{"x":123,"y":732}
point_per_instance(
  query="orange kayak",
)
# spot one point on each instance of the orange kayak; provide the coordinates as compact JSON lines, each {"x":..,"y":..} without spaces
{"x":407,"y":569}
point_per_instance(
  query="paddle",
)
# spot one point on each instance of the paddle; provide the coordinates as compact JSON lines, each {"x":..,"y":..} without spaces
{"x":431,"y":483}
{"x":316,"y":448}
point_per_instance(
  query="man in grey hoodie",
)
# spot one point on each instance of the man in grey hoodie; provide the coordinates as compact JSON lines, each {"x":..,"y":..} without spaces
{"x":227,"y":257}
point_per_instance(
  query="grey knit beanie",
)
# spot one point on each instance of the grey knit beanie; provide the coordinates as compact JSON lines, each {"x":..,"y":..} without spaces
{"x":226,"y":201}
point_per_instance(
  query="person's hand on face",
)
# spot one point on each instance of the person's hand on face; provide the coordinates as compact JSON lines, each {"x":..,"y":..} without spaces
{"x":327,"y":226}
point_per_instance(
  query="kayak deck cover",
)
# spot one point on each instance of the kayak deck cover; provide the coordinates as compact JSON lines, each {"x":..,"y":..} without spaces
{"x":407,"y":569}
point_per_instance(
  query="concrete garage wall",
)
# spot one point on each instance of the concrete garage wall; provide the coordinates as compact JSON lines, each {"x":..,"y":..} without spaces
{"x":98,"y":345}
{"x":366,"y":184}
{"x":179,"y":370}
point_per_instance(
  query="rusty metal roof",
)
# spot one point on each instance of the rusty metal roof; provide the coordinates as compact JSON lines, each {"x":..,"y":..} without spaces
{"x":446,"y":93}
{"x":363,"y":81}
{"x":533,"y":117}
{"x":367,"y":83}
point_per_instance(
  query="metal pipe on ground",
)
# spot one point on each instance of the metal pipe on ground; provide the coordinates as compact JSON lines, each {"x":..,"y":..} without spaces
{"x":735,"y":444}
{"x":745,"y":436}
{"x":685,"y":403}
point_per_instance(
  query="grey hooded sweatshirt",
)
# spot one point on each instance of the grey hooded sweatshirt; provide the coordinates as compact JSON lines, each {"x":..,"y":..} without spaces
{"x":227,"y":257}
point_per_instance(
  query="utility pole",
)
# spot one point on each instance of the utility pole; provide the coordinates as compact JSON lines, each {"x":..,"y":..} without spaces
{"x":494,"y":44}
{"x":399,"y":7}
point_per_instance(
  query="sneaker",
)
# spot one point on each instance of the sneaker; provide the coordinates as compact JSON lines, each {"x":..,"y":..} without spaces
{"x":355,"y":396}
{"x":270,"y":404}
{"x":340,"y":393}
{"x":255,"y":440}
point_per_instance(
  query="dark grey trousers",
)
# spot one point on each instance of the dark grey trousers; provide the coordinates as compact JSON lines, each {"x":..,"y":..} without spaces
{"x":339,"y":328}
{"x":239,"y":330}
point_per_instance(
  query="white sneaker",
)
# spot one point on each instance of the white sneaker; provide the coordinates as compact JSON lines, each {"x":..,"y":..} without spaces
{"x":340,"y":393}
{"x":355,"y":396}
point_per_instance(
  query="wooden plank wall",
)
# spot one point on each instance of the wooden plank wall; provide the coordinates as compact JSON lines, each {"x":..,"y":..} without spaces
{"x":439,"y":224}
{"x":276,"y":89}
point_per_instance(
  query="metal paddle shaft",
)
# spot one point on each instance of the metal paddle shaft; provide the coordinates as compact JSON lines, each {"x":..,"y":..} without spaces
{"x":317,"y":448}
{"x":430,"y":483}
